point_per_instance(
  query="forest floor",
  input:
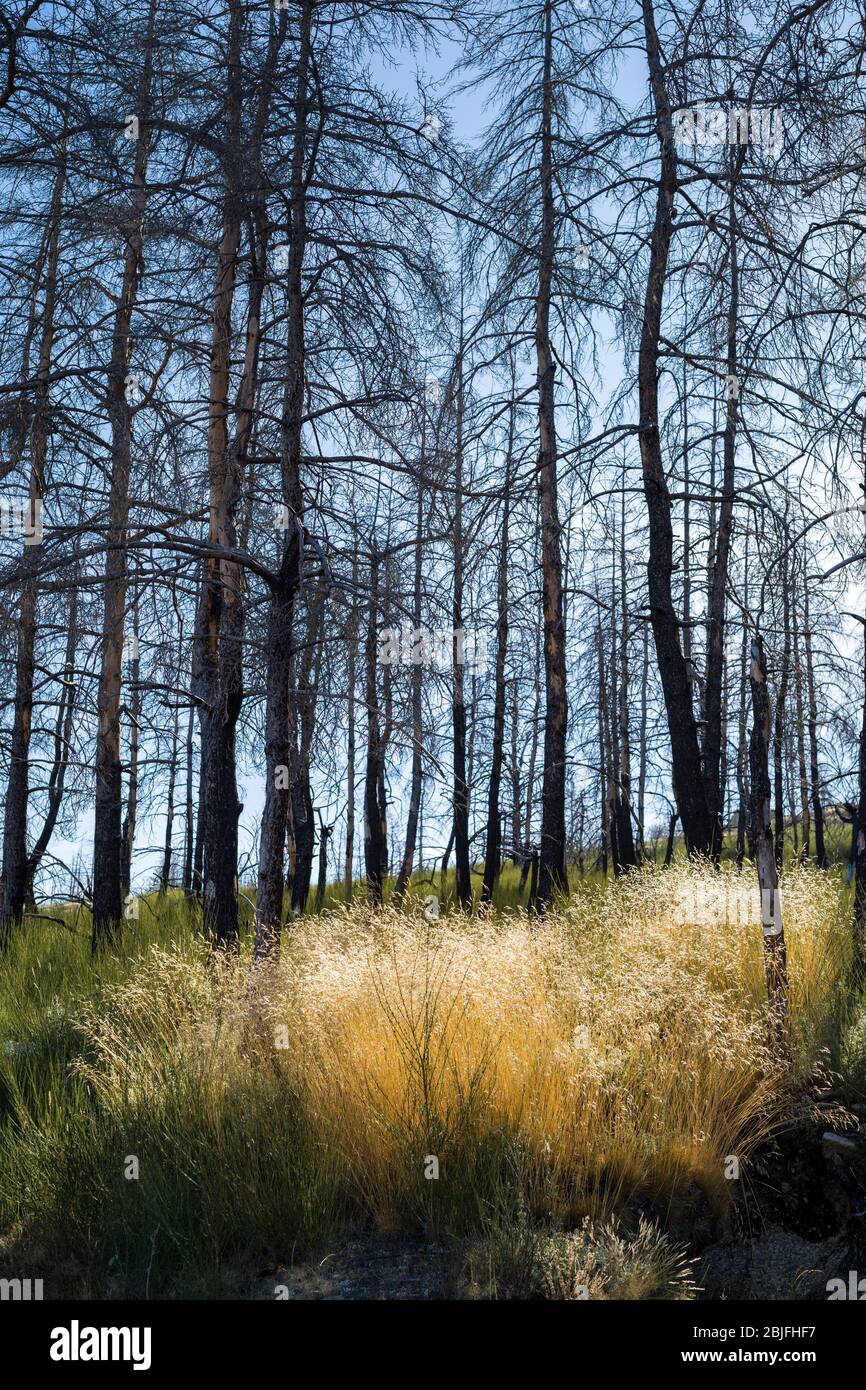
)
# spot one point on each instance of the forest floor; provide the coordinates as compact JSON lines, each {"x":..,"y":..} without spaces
{"x":778,"y":1265}
{"x":586,"y":1106}
{"x":364,"y":1268}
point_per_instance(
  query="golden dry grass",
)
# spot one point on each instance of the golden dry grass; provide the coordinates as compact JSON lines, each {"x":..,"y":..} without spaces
{"x":619,"y":1043}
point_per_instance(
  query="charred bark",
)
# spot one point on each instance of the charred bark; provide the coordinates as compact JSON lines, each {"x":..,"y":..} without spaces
{"x":713,"y":744}
{"x":493,"y":843}
{"x":15,"y":877}
{"x":551,"y":871}
{"x":128,"y":832}
{"x":108,"y":805}
{"x":775,"y":961}
{"x":814,"y":771}
{"x":463,"y":882}
{"x":375,"y":816}
{"x":688,"y":783}
{"x":279,"y":757}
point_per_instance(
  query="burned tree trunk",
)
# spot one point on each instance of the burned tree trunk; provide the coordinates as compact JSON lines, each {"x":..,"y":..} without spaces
{"x":533,"y":752}
{"x":514,"y":772}
{"x":609,"y":759}
{"x":814,"y":772}
{"x":605,"y":825}
{"x":713,"y":744}
{"x":128,"y":833}
{"x":198,"y":851}
{"x":15,"y":860}
{"x":775,"y":961}
{"x":493,"y":844}
{"x":551,"y":873}
{"x":742,"y":795}
{"x":189,"y":822}
{"x":352,"y":639}
{"x":642,"y":772}
{"x":217,"y":665}
{"x":304,"y":826}
{"x":62,"y":746}
{"x":463,"y":882}
{"x":303,"y":822}
{"x":218,"y":662}
{"x":669,"y":847}
{"x":107,"y":828}
{"x":779,"y":725}
{"x":325,"y":832}
{"x":688,"y":783}
{"x":279,"y":757}
{"x":803,"y":776}
{"x":624,"y":834}
{"x":415,"y":707}
{"x":859,"y":926}
{"x":742,"y":745}
{"x":165,"y":873}
{"x":375,"y":821}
